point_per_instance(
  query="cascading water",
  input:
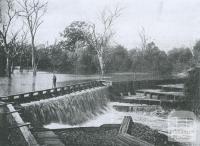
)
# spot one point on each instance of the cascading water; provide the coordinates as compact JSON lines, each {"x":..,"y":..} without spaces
{"x":71,"y":109}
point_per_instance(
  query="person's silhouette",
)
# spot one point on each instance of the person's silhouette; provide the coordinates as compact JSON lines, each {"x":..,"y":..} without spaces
{"x":54,"y":81}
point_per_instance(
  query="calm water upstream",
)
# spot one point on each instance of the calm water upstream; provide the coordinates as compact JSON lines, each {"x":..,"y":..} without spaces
{"x":24,"y":82}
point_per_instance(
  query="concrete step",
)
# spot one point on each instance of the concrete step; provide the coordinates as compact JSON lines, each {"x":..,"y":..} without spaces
{"x":172,"y":87}
{"x":161,"y":93}
{"x":135,"y":108}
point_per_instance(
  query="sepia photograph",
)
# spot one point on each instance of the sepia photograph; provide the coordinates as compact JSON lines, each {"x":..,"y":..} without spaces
{"x":99,"y":73}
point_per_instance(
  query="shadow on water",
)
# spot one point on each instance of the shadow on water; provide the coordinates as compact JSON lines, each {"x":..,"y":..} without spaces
{"x":33,"y":83}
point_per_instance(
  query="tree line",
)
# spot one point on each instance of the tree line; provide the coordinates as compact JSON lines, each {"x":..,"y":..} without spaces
{"x":58,"y":57}
{"x":83,"y":48}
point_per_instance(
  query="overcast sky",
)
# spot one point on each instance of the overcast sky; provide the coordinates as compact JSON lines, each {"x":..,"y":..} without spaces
{"x":169,"y":23}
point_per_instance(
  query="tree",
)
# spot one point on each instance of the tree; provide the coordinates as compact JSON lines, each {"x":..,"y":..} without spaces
{"x":87,"y":63}
{"x":143,"y":38}
{"x":134,"y":55}
{"x":44,"y":59}
{"x":22,"y":48}
{"x":32,"y":12}
{"x":2,"y":59}
{"x":13,"y":47}
{"x":181,"y":58}
{"x":85,"y":34}
{"x":151,"y":59}
{"x":10,"y":14}
{"x":196,"y":52}
{"x":157,"y":60}
{"x":191,"y":89}
{"x":117,"y":59}
{"x":100,"y":41}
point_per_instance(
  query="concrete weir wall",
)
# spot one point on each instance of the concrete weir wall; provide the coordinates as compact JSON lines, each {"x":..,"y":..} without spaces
{"x":72,"y":109}
{"x":132,"y":86}
{"x":14,"y":128}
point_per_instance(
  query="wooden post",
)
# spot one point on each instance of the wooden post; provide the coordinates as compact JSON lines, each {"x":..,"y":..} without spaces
{"x":151,"y":96}
{"x":21,"y":98}
{"x":2,"y":110}
{"x":90,"y":85}
{"x":79,"y":87}
{"x":62,"y":90}
{"x":55,"y":91}
{"x":11,"y":98}
{"x":65,"y":90}
{"x":73,"y":88}
{"x":40,"y":94}
{"x":48,"y":93}
{"x":31,"y":96}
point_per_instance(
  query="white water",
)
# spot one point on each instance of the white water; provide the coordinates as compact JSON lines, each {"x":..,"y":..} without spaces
{"x":111,"y":116}
{"x":71,"y":109}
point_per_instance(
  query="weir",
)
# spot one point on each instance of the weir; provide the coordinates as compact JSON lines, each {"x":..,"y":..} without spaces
{"x":13,"y":119}
{"x":76,"y":105}
{"x":72,"y":109}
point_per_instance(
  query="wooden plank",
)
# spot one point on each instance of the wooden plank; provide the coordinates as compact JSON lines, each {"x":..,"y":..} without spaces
{"x":133,"y":141}
{"x":20,"y":136}
{"x":48,"y":138}
{"x":126,"y":125}
{"x":19,"y":125}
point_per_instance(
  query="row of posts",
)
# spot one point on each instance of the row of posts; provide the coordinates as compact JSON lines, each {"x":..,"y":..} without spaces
{"x":43,"y":94}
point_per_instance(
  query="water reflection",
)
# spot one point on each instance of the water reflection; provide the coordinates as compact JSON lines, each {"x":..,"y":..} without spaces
{"x":25,"y":82}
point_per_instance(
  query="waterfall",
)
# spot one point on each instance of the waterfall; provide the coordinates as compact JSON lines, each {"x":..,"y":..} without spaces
{"x":72,"y":109}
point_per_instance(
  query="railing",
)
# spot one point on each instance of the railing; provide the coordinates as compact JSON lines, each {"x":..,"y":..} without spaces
{"x":48,"y":93}
{"x":15,"y":129}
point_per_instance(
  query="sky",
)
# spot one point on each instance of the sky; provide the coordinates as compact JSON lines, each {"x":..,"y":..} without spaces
{"x":169,"y":23}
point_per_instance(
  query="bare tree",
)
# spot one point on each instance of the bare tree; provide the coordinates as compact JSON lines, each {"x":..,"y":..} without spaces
{"x":22,"y":45}
{"x":32,"y":11}
{"x":100,"y":41}
{"x":14,"y":50}
{"x":143,"y":39}
{"x":9,"y":16}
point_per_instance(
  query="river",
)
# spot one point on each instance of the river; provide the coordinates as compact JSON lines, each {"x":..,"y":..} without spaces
{"x":25,"y":82}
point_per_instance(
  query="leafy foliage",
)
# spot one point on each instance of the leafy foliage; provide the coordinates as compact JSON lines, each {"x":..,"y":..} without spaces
{"x":192,"y":90}
{"x":73,"y":34}
{"x":181,"y":58}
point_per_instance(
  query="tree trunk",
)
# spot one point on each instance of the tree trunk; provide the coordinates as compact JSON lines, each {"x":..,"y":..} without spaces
{"x":12,"y":66}
{"x":8,"y":69}
{"x":33,"y":83}
{"x":20,"y":63}
{"x":34,"y":66}
{"x":101,"y":63}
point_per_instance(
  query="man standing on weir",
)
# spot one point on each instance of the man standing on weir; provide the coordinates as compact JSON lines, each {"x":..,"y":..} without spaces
{"x":54,"y":81}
